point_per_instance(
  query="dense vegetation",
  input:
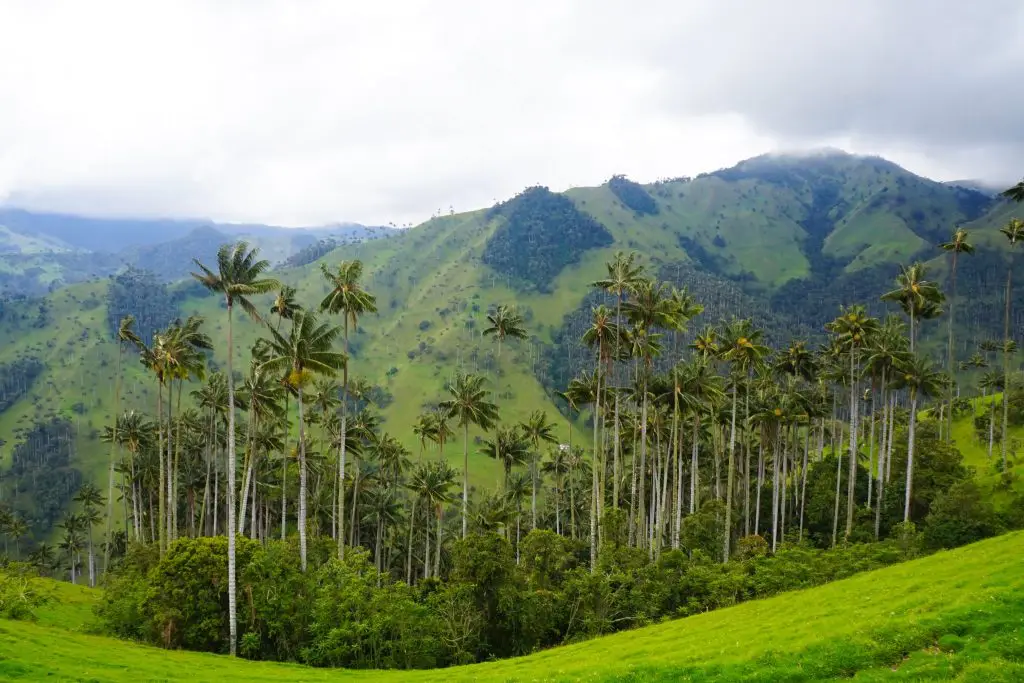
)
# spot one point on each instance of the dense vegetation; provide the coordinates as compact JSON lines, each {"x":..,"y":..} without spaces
{"x":540,"y":234}
{"x":633,"y":195}
{"x":138,"y":293}
{"x":43,"y":479}
{"x":16,"y":378}
{"x":709,"y":458}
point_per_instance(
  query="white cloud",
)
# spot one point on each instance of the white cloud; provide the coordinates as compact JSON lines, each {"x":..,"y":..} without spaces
{"x":311,"y":112}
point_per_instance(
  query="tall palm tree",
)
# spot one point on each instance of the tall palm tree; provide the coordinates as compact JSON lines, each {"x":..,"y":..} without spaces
{"x":701,"y":391}
{"x":469,"y":403}
{"x":623,"y":274}
{"x":432,"y":481}
{"x":854,"y":330}
{"x":306,"y":351}
{"x":604,"y":335}
{"x":742,"y":349}
{"x":239,"y":276}
{"x":537,"y":429}
{"x":918,"y":297}
{"x":285,"y":305}
{"x":957,"y":245}
{"x":125,"y":335}
{"x":1014,"y":233}
{"x":90,"y":498}
{"x":920,"y":379}
{"x":509,"y":447}
{"x":505,"y":324}
{"x":349,"y":299}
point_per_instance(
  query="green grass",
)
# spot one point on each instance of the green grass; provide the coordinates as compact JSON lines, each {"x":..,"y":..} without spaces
{"x":70,"y":607}
{"x":956,"y":615}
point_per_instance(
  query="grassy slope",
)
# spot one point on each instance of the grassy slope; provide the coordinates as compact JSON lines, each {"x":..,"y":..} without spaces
{"x":436,"y":268}
{"x":954,"y":615}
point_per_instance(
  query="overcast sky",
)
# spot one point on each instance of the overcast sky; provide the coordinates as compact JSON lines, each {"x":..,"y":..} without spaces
{"x":301,"y":113}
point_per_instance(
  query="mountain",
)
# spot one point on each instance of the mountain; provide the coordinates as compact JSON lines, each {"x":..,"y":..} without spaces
{"x":41,"y":250}
{"x":784,"y":239}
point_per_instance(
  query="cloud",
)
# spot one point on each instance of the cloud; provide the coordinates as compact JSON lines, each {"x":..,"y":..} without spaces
{"x":311,"y":112}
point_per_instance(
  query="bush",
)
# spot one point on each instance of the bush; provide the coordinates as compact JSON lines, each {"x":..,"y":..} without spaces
{"x":20,"y":593}
{"x":962,"y":515}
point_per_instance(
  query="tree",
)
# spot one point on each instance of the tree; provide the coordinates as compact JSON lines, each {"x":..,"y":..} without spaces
{"x":1015,"y":193}
{"x":509,"y":447}
{"x":854,"y":330}
{"x":1014,"y":232}
{"x":285,"y":305}
{"x":741,"y":347}
{"x":623,"y":275}
{"x":537,"y":429}
{"x":125,"y":335}
{"x":918,"y":297}
{"x":305,"y":352}
{"x":920,"y":379}
{"x":957,"y":245}
{"x":237,"y":278}
{"x":469,"y":403}
{"x":505,"y":324}
{"x":90,"y":498}
{"x":432,"y":482}
{"x":347,"y":298}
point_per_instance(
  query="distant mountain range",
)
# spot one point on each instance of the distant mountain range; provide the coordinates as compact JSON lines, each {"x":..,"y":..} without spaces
{"x":41,"y":250}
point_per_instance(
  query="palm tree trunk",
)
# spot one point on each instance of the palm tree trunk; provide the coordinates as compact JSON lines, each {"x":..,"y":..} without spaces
{"x":408,"y":559}
{"x":344,"y":439}
{"x":910,"y":455}
{"x":776,"y":455}
{"x":162,"y":474}
{"x":594,"y":474}
{"x":851,"y":480}
{"x":232,"y":598}
{"x":803,"y":478}
{"x":746,"y":460}
{"x":839,"y":476}
{"x":437,"y":557}
{"x":871,"y":447}
{"x":727,"y":535}
{"x":284,"y":469}
{"x":113,"y":451}
{"x":949,"y":360}
{"x":465,"y":479}
{"x":303,"y":480}
{"x":174,"y":468}
{"x":760,"y":484}
{"x":694,"y":462}
{"x":615,"y":446}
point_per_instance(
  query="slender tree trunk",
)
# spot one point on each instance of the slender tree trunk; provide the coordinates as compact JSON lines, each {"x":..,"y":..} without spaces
{"x":113,"y":452}
{"x":854,"y":415}
{"x":162,"y":483}
{"x":344,"y":439}
{"x":694,"y":462}
{"x":412,"y":525}
{"x":232,"y":597}
{"x":839,"y":476}
{"x":465,"y":479}
{"x":910,"y":455}
{"x":803,"y":478}
{"x":871,"y":447}
{"x":776,"y":455}
{"x":437,"y":557}
{"x":746,"y":460}
{"x":594,"y":474}
{"x":949,"y":360}
{"x":727,"y":536}
{"x":303,"y":480}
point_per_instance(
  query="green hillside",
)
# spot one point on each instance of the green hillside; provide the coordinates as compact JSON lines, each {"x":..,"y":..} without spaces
{"x":777,"y":226}
{"x":955,"y":615}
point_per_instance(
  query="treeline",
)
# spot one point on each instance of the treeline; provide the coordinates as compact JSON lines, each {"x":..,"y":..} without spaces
{"x":43,"y":478}
{"x":540,"y":234}
{"x":16,"y":379}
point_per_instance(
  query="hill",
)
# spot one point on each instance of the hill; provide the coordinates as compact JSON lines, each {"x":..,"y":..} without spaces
{"x":783,"y":239}
{"x":41,"y":250}
{"x":952,"y":616}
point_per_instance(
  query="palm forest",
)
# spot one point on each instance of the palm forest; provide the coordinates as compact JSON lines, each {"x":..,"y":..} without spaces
{"x":263,"y":510}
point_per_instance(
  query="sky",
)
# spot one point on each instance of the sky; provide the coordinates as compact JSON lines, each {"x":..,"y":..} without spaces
{"x":302,"y":112}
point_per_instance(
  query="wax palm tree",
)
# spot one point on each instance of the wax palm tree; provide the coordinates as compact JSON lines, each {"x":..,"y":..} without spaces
{"x":125,"y":335}
{"x":702,"y":391}
{"x":991,"y":382}
{"x":742,"y":348}
{"x":918,"y":297}
{"x":957,"y":245}
{"x":425,"y":429}
{"x":16,"y":529}
{"x":90,"y":498}
{"x":469,"y":404}
{"x":238,"y":276}
{"x":920,"y":379}
{"x":349,"y":299}
{"x":1014,"y":233}
{"x":432,"y":482}
{"x":505,"y":324}
{"x":516,"y":490}
{"x":623,"y":274}
{"x":854,"y":331}
{"x":537,"y":429}
{"x":261,"y":394}
{"x":557,"y":465}
{"x":43,"y":558}
{"x":285,"y":305}
{"x":604,"y":336}
{"x":72,"y":542}
{"x":306,"y":351}
{"x":509,"y":447}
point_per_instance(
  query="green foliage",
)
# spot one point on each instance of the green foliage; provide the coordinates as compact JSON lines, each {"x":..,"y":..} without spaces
{"x":45,"y":479}
{"x":556,"y":231}
{"x":139,"y":293}
{"x":633,"y":195}
{"x":960,"y":515}
{"x":21,"y":593}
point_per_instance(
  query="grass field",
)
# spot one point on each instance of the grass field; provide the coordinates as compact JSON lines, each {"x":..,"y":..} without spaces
{"x":956,"y":615}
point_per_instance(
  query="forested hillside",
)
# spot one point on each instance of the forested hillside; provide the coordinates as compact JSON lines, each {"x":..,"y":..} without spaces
{"x":783,"y":241}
